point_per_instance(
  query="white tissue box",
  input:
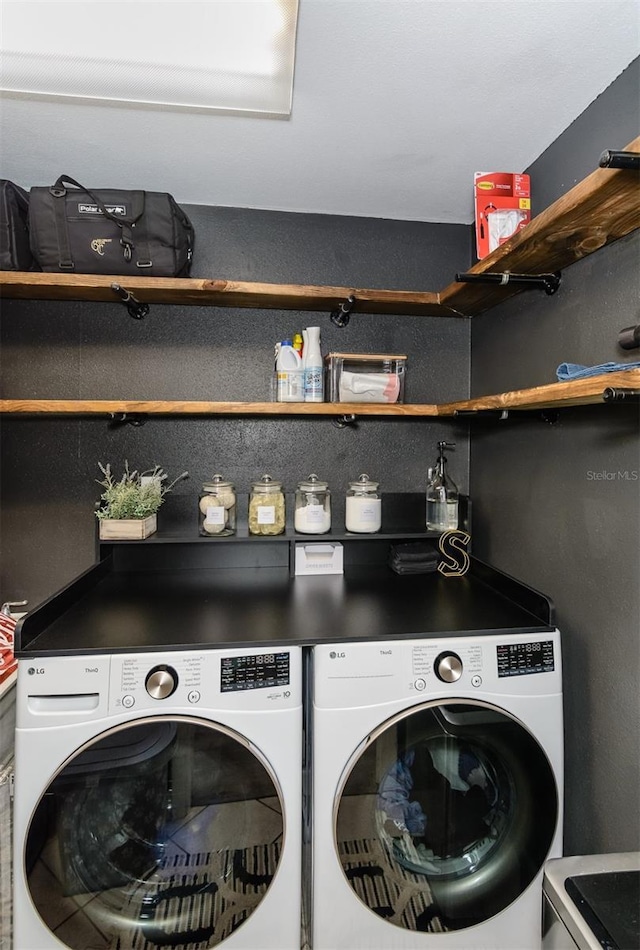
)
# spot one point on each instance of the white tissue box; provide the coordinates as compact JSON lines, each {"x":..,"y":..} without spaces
{"x":365,"y":377}
{"x":319,"y":558}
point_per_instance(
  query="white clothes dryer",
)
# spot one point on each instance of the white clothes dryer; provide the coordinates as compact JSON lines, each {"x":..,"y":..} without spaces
{"x":158,"y":800}
{"x":437,"y":791}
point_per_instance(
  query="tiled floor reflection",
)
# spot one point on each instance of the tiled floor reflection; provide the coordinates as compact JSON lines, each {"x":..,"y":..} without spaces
{"x":85,"y":921}
{"x":357,"y":816}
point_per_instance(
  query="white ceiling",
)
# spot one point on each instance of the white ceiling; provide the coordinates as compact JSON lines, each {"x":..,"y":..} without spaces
{"x":396,"y":104}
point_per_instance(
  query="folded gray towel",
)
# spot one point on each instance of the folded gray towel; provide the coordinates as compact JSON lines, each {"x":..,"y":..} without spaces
{"x":414,"y":551}
{"x":421,"y":567}
{"x":414,"y":557}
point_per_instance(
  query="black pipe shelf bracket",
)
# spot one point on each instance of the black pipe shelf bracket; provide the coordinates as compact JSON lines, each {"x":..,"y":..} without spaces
{"x":630,"y":161}
{"x":345,"y":421}
{"x":117,"y":419}
{"x":550,"y":416}
{"x":617,"y":394}
{"x":548,"y":282}
{"x":342,"y":315}
{"x":135,"y":308}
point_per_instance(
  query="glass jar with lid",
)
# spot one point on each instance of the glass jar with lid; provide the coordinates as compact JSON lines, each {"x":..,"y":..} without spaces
{"x":217,"y":505}
{"x":313,"y":506}
{"x":266,"y":507}
{"x":363,"y":508}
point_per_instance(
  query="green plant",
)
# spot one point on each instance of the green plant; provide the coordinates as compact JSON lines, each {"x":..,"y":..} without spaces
{"x":135,"y":495}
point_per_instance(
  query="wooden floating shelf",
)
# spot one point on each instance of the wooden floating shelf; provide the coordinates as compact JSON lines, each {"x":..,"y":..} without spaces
{"x":101,"y":407}
{"x":577,"y":392}
{"x":182,"y":291}
{"x":602,"y":208}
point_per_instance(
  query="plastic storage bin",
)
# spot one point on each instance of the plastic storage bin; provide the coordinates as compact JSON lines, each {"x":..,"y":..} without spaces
{"x":365,"y":377}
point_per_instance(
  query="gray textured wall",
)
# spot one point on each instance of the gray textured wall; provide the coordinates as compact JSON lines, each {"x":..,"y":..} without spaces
{"x":559,"y":505}
{"x":538,"y":513}
{"x":81,"y":350}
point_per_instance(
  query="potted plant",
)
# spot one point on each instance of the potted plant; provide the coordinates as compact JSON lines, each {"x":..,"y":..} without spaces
{"x":130,"y":504}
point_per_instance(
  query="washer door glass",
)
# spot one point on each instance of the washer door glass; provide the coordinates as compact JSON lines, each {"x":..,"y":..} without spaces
{"x":166,"y":832}
{"x":445,"y":815}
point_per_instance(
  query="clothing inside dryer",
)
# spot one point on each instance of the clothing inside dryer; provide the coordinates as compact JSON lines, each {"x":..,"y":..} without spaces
{"x":449,"y":796}
{"x":451,"y":805}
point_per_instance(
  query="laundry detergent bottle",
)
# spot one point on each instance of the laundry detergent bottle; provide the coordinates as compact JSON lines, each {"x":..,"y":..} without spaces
{"x":289,"y":373}
{"x":313,"y":368}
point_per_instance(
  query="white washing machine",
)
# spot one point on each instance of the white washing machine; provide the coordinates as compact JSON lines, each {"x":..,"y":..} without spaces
{"x":437,"y":791}
{"x":158,"y":800}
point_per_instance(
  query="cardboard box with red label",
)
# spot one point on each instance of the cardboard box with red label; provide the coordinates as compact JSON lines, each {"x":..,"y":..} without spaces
{"x":502,"y":208}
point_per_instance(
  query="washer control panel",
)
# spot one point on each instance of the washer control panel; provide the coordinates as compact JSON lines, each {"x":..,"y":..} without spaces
{"x":254,"y":671}
{"x":226,"y":679}
{"x":142,"y":681}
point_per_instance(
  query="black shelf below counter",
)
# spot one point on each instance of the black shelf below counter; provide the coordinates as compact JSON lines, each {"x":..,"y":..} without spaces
{"x":112,"y":611}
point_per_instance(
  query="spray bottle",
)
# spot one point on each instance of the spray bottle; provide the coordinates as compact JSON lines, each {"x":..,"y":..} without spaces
{"x":442,"y":494}
{"x":313,"y":368}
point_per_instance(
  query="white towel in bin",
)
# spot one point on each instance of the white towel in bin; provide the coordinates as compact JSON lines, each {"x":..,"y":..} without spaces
{"x":369,"y":387}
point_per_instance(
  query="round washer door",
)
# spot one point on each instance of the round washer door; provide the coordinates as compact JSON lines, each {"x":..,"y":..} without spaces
{"x":444,"y":816}
{"x":164,"y":832}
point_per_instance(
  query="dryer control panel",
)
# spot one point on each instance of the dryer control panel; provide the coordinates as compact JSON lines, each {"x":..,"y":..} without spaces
{"x":349,"y":675}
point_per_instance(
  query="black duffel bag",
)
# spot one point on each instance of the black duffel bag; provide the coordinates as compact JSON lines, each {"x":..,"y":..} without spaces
{"x":15,"y":253}
{"x":109,"y":231}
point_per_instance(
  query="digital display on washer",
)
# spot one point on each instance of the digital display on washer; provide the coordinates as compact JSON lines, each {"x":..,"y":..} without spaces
{"x":254,"y":671}
{"x":518,"y":659}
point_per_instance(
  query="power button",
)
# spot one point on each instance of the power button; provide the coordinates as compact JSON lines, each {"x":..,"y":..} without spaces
{"x":420,"y":684}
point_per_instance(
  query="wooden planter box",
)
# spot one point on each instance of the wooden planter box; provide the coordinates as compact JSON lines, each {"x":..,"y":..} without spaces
{"x":128,"y":529}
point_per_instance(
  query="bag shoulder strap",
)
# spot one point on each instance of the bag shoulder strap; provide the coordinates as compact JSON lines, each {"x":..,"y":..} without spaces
{"x":125,"y":224}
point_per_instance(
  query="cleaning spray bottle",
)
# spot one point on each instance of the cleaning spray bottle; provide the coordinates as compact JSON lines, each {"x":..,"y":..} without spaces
{"x":313,"y":368}
{"x":442,"y":494}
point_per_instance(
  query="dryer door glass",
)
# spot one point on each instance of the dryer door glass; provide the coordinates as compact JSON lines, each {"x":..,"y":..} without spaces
{"x":166,"y":832}
{"x":445,"y":815}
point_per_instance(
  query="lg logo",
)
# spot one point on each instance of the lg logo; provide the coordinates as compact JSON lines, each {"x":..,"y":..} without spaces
{"x":336,"y":656}
{"x":35,"y":671}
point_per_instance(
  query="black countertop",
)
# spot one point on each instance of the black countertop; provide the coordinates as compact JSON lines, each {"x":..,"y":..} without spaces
{"x":109,"y":610}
